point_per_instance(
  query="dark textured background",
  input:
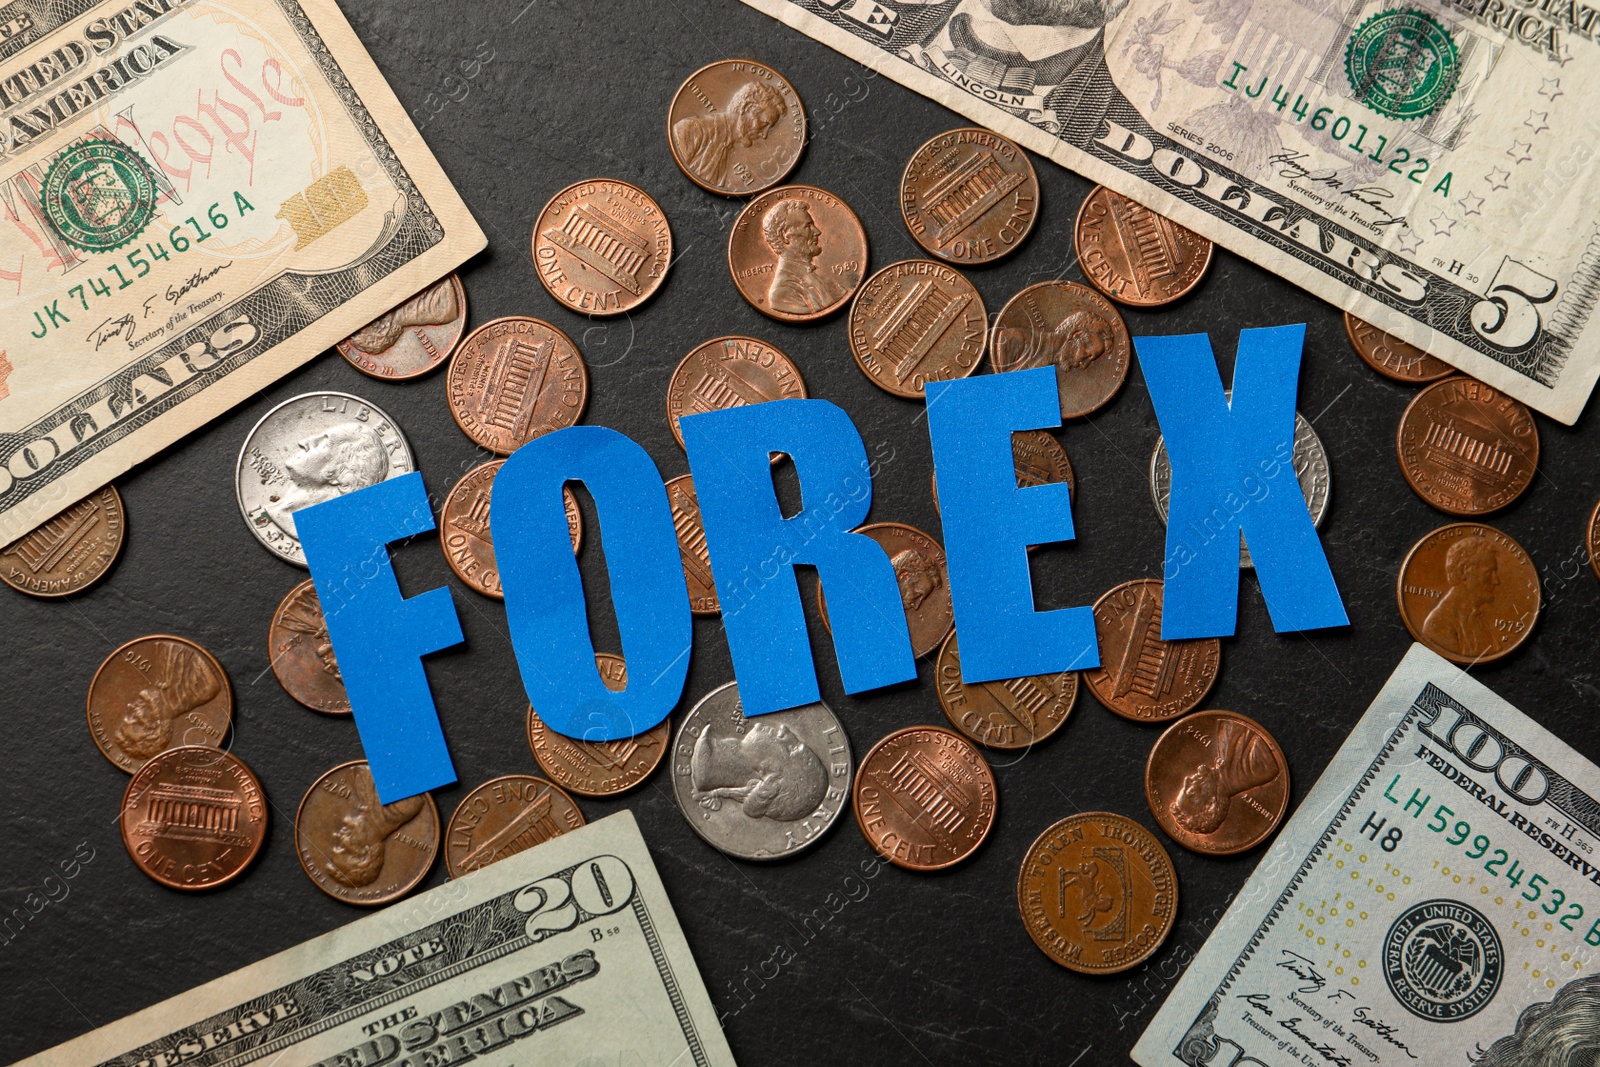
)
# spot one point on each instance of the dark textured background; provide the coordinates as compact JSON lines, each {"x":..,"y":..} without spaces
{"x":895,"y":968}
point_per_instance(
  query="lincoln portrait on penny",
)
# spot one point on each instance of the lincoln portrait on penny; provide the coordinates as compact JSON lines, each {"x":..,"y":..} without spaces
{"x":705,"y":142}
{"x":798,"y":287}
{"x":1462,"y":621}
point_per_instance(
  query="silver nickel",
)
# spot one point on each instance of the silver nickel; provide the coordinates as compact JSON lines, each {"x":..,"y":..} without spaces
{"x":309,"y":449}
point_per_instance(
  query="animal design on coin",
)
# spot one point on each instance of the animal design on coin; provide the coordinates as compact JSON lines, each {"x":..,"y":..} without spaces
{"x":797,"y":253}
{"x":1217,"y":782}
{"x":736,"y":127}
{"x":71,"y":551}
{"x":1134,"y":255}
{"x":1392,"y":357}
{"x":465,"y":533}
{"x":1014,"y":713}
{"x":692,"y":545}
{"x":969,"y":196}
{"x":412,"y":339}
{"x":1141,"y":677}
{"x":356,"y":848}
{"x":924,"y":798}
{"x":730,"y":372}
{"x":1469,"y":592}
{"x":920,"y":571}
{"x":602,"y":247}
{"x":505,"y":816}
{"x":302,"y":653}
{"x":156,"y":693}
{"x":1072,"y":327}
{"x":513,"y":379}
{"x":599,"y":768}
{"x":1467,"y":449}
{"x":193,"y":817}
{"x":916,"y":322}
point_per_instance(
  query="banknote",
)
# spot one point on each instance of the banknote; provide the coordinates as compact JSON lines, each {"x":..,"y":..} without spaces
{"x":1434,"y":901}
{"x":1424,"y":164}
{"x":195,"y":198}
{"x":567,"y":953}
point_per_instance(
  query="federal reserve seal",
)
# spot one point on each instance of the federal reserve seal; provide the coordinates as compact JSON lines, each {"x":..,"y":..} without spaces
{"x":98,"y":195}
{"x":1402,"y":64}
{"x":1443,"y":961}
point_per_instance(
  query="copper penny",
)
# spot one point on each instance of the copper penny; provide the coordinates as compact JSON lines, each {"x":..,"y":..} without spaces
{"x":1074,"y":328}
{"x":1217,"y":782}
{"x":916,"y":322}
{"x":302,"y":653}
{"x":924,"y":798}
{"x":1140,"y":676}
{"x":797,"y":253}
{"x":414,"y":338}
{"x":513,"y":379}
{"x":1392,"y":357}
{"x":1098,"y":893}
{"x":156,"y":693}
{"x":736,"y":127}
{"x":602,"y":247}
{"x":464,"y":528}
{"x":599,"y":768}
{"x":193,"y":817}
{"x":504,"y":816}
{"x":70,"y":552}
{"x":730,"y":372}
{"x":969,"y":196}
{"x":692,"y":545}
{"x":1467,"y":449}
{"x":1134,"y":255}
{"x":1015,"y":713}
{"x":919,"y":568}
{"x":1037,"y":458}
{"x":359,"y":850}
{"x":1593,"y":540}
{"x":1468,"y":592}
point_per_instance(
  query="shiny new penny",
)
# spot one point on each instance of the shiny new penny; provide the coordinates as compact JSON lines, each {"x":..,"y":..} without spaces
{"x":1469,"y":592}
{"x":599,"y":768}
{"x":969,"y":196}
{"x":1037,"y":458}
{"x":193,"y":817}
{"x":156,"y":693}
{"x":1392,"y":357}
{"x":1014,"y":713}
{"x":1097,"y":892}
{"x":513,"y":379}
{"x":736,"y":127}
{"x":70,"y":552}
{"x":916,"y":322}
{"x":1467,"y":449}
{"x":919,"y":568}
{"x":692,"y":545}
{"x":730,"y":372}
{"x":302,"y":653}
{"x":358,"y":850}
{"x":1134,"y":255}
{"x":504,"y":816}
{"x":602,"y":247}
{"x":924,"y":798}
{"x":464,"y":528}
{"x":1217,"y":782}
{"x":797,"y":253}
{"x":414,"y":338}
{"x":1140,"y":676}
{"x":1073,"y":328}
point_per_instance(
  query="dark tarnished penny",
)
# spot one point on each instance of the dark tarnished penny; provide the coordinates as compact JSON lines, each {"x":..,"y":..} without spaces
{"x":414,"y":338}
{"x":464,"y":528}
{"x":193,"y":817}
{"x":969,"y":196}
{"x":1014,"y":713}
{"x":513,"y":379}
{"x":1466,"y":448}
{"x":1097,"y":892}
{"x":156,"y":693}
{"x":924,"y":798}
{"x":692,"y":545}
{"x":71,"y":551}
{"x":1217,"y":782}
{"x":1140,"y":676}
{"x":1468,"y":592}
{"x":504,"y":816}
{"x":736,"y":127}
{"x":602,"y":247}
{"x":1037,"y":458}
{"x":359,"y":850}
{"x":797,"y":253}
{"x":302,"y":653}
{"x":916,"y":322}
{"x":1134,"y":255}
{"x":730,"y":372}
{"x":1074,"y":328}
{"x":919,"y":568}
{"x":599,"y":768}
{"x":1392,"y":357}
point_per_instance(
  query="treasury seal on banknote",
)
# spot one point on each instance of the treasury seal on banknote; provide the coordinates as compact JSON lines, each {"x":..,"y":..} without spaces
{"x":98,"y":195}
{"x":1410,"y":88}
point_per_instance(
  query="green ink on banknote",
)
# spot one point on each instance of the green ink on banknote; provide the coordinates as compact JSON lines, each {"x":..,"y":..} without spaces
{"x":1402,"y":64}
{"x":99,"y":195}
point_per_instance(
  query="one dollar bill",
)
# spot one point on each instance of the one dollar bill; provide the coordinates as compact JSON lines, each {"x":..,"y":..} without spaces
{"x":567,"y":953}
{"x":1434,"y":901}
{"x":1424,"y":164}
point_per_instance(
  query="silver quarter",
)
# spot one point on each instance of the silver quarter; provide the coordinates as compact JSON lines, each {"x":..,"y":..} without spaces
{"x":761,"y":788}
{"x":309,"y":449}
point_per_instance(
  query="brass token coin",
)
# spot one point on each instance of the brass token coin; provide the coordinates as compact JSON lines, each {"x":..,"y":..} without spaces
{"x":969,"y":196}
{"x":193,"y":817}
{"x":513,"y":379}
{"x":1141,"y":677}
{"x":692,"y":545}
{"x":504,"y":816}
{"x":1098,"y":893}
{"x":1074,"y":328}
{"x":414,"y":338}
{"x":1466,"y":448}
{"x":919,"y":568}
{"x":924,"y":798}
{"x":1217,"y":782}
{"x":730,"y":372}
{"x":156,"y":693}
{"x":736,"y":127}
{"x":1038,"y":459}
{"x":916,"y":322}
{"x":1392,"y":357}
{"x":302,"y":653}
{"x":1468,"y":592}
{"x":599,"y":768}
{"x":1593,"y":540}
{"x":1015,"y":713}
{"x":602,"y":247}
{"x":358,"y":850}
{"x":1134,"y":255}
{"x":797,"y":253}
{"x":71,"y":551}
{"x":464,"y":528}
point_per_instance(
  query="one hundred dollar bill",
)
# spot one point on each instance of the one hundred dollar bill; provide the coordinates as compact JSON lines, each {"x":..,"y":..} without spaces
{"x":1434,"y":901}
{"x":567,"y":953}
{"x":1424,"y":164}
{"x":195,"y":198}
